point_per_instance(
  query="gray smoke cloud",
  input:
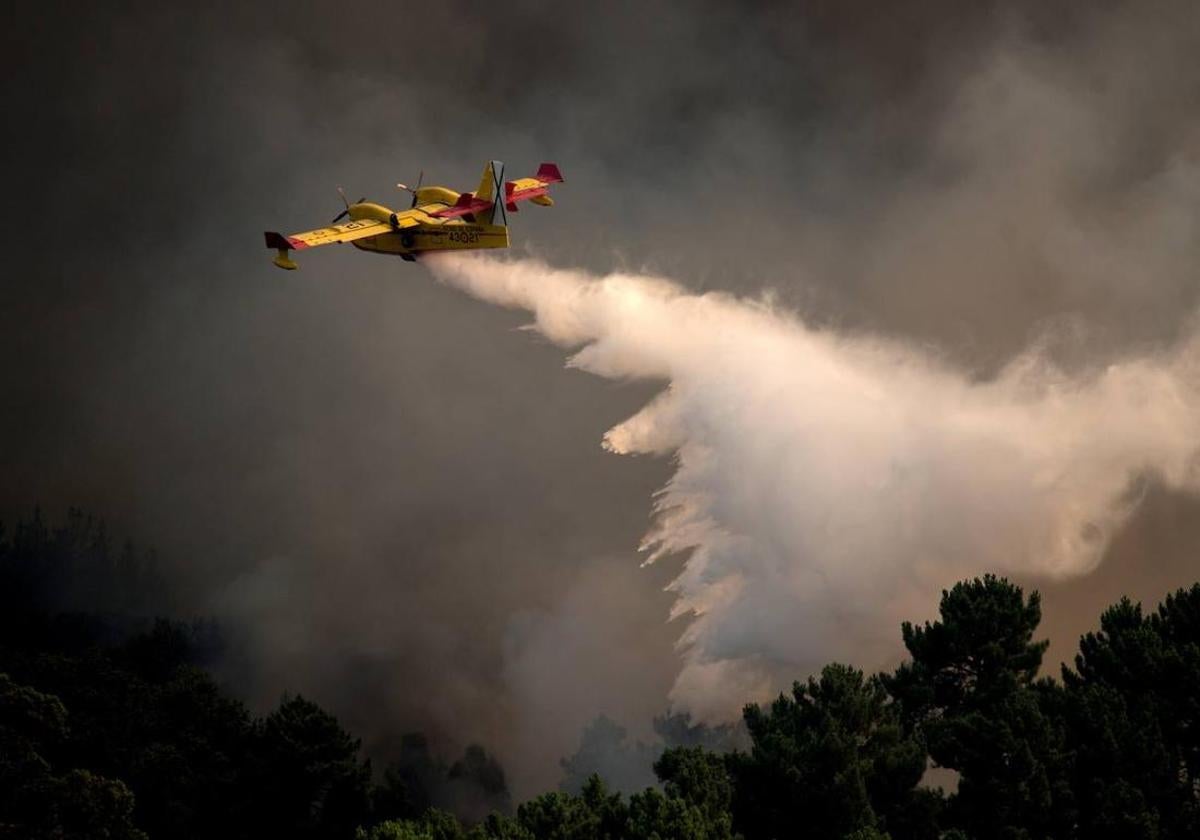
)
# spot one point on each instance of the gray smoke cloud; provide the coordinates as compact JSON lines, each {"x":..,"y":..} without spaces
{"x":391,"y":498}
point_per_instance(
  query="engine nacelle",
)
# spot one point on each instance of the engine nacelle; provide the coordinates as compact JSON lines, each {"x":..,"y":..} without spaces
{"x":370,"y":210}
{"x":436,"y":195}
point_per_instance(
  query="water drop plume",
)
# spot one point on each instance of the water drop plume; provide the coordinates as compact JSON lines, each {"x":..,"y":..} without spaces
{"x":828,"y":485}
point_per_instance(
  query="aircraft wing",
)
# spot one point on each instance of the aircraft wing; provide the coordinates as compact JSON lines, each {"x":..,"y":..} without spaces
{"x":335,"y":234}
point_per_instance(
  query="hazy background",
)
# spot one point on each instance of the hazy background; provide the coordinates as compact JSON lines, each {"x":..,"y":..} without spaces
{"x":396,"y":503}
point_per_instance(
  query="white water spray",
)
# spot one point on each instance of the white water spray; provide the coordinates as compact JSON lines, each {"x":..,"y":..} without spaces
{"x":827,"y":485}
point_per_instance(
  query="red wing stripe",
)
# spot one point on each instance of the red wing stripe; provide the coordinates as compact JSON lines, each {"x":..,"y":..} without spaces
{"x":283,"y":243}
{"x":463,"y":206}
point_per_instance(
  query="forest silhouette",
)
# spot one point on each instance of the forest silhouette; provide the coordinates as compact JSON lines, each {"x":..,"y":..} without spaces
{"x":111,"y":726}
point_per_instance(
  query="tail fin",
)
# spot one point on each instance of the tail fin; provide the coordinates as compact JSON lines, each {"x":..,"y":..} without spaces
{"x":548,"y":173}
{"x":489,"y":190}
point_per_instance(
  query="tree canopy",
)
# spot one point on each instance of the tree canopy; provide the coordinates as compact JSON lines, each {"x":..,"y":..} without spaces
{"x":110,"y":726}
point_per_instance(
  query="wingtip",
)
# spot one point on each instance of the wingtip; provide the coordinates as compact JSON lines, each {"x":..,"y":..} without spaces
{"x":276,"y":240}
{"x":282,"y":246}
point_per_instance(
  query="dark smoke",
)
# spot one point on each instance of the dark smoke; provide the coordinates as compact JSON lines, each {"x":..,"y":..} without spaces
{"x":396,"y":504}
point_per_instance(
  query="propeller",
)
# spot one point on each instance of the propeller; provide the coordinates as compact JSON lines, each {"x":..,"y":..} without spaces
{"x":345,"y":212}
{"x":413,"y":190}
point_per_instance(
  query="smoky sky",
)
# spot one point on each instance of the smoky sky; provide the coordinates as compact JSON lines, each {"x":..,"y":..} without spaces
{"x":394,"y":499}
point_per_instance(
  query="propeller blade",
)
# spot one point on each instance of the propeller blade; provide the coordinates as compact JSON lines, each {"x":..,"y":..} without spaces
{"x":420,"y":178}
{"x":345,"y":212}
{"x":413,"y":190}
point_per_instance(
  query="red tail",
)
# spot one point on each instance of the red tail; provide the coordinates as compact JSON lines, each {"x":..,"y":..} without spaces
{"x":548,"y":173}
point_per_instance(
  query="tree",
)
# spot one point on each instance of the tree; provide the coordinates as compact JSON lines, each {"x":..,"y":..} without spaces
{"x":977,"y":653}
{"x":190,"y":765}
{"x":73,"y":567}
{"x":595,"y":814}
{"x":308,"y":775}
{"x":501,"y":827}
{"x":653,"y":816}
{"x":702,"y":780}
{"x":435,"y":824}
{"x":607,"y":752}
{"x":679,"y":730}
{"x":88,"y":805}
{"x":627,"y":765}
{"x":832,"y":758}
{"x":1135,"y":721}
{"x":395,"y":830}
{"x":476,"y":786}
{"x":411,"y":782}
{"x":34,"y":801}
{"x":970,"y":692}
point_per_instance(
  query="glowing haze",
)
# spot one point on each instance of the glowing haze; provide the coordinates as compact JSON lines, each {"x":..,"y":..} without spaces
{"x":827,"y":485}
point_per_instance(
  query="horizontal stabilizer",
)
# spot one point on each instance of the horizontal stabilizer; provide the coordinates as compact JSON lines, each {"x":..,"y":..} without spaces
{"x":523,"y":190}
{"x":535,"y":189}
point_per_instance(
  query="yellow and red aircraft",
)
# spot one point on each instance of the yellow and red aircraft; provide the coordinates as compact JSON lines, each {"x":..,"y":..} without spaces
{"x":439,"y":219}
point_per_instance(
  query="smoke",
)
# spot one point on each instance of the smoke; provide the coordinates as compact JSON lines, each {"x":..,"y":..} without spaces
{"x":825,"y":484}
{"x":414,"y":529}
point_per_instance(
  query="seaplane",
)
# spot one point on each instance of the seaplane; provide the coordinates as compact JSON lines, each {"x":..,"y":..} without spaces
{"x":439,"y":219}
